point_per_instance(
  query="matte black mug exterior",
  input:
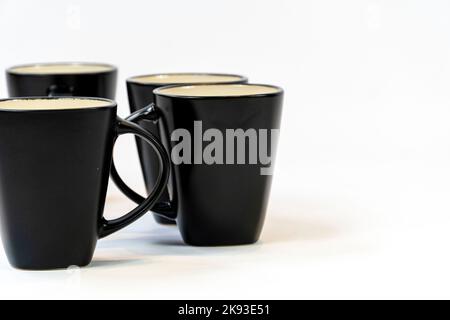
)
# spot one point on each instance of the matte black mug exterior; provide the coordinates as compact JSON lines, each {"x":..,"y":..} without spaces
{"x":213,"y":204}
{"x":62,"y":79}
{"x":140,"y":95}
{"x":54,"y":169}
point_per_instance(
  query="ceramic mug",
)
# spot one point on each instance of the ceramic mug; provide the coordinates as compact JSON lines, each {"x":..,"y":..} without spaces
{"x":140,"y":94}
{"x":222,"y":142}
{"x":62,"y":79}
{"x":55,"y":157}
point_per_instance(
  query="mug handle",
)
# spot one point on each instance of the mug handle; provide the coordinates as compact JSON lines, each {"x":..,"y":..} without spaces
{"x":163,"y":209}
{"x":123,"y":127}
{"x":59,"y":91}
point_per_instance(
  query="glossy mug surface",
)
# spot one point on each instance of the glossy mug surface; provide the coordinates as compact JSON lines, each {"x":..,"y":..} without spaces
{"x":221,"y":141}
{"x":62,"y":79}
{"x":140,"y":94}
{"x":55,"y":157}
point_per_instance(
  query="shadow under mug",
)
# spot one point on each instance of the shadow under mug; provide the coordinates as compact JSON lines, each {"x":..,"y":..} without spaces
{"x":140,"y":94}
{"x":55,"y":157}
{"x":223,"y":201}
{"x":80,"y":79}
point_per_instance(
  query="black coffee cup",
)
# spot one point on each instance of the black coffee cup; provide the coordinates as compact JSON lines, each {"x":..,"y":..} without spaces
{"x":140,"y":94}
{"x":62,"y":79}
{"x":55,"y":156}
{"x":222,"y":141}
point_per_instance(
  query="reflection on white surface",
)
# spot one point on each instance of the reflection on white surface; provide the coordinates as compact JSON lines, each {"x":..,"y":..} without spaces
{"x":348,"y":244}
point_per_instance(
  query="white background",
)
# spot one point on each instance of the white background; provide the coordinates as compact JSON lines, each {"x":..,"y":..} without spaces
{"x":360,"y":202}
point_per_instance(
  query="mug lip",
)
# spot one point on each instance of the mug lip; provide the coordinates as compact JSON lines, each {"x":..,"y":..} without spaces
{"x":10,"y":70}
{"x":279,"y":91}
{"x":110,"y":104}
{"x":240,"y":78}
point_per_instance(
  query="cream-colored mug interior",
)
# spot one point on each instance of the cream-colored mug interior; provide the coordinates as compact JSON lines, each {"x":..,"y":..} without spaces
{"x":61,"y":68}
{"x":185,"y":78}
{"x":52,"y":104}
{"x":220,"y":90}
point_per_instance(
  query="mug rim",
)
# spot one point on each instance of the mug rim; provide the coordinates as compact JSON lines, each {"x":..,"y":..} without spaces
{"x":10,"y":70}
{"x":110,"y":104}
{"x":132,"y":80}
{"x":279,"y":91}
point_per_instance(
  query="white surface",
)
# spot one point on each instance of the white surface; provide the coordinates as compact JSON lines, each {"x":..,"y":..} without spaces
{"x":359,"y":207}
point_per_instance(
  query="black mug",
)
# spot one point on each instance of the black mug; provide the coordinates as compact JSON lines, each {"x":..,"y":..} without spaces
{"x":62,"y":79}
{"x":219,"y":138}
{"x":55,"y":157}
{"x":140,"y":94}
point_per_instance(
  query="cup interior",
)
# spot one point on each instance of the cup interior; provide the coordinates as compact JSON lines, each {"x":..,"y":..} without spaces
{"x":218,"y":90}
{"x":61,"y":68}
{"x":186,"y":78}
{"x":27,"y":104}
